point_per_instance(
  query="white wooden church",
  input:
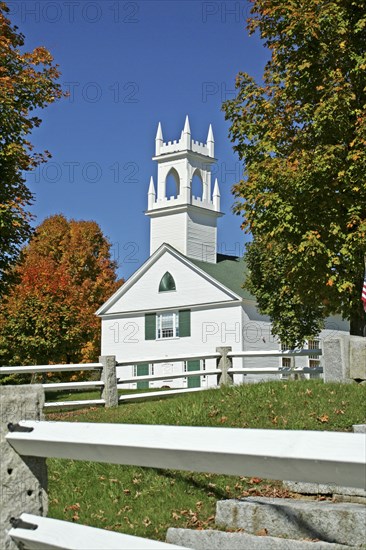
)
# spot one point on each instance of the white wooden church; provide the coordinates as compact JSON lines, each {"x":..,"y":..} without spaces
{"x":186,"y":299}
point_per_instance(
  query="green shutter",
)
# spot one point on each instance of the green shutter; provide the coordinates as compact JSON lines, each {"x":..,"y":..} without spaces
{"x":193,"y":364}
{"x":150,"y":326}
{"x":184,"y":323}
{"x":142,"y":370}
{"x":194,"y":381}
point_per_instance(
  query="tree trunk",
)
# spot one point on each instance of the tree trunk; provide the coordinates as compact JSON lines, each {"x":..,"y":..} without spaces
{"x":358,"y":320}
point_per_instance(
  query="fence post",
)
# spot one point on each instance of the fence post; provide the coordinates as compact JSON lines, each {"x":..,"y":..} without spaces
{"x":224,"y":363}
{"x":336,"y":358}
{"x":109,"y":377}
{"x":23,"y":480}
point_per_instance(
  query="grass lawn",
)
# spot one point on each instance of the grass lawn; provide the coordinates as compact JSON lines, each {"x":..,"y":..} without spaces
{"x":146,"y":501}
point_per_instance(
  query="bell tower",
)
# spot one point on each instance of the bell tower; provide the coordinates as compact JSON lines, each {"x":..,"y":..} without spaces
{"x":186,"y":222}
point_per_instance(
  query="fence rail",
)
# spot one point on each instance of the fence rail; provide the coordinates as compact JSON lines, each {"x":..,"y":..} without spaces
{"x":320,"y":457}
{"x":276,"y":353}
{"x":50,"y":368}
{"x":171,"y":359}
{"x":78,"y":537}
{"x":73,"y":404}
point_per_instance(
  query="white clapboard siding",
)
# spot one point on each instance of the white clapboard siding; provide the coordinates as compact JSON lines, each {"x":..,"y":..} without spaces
{"x":65,"y":404}
{"x":275,"y":353}
{"x":156,"y":394}
{"x":171,"y":359}
{"x":320,"y":457}
{"x":72,"y":385}
{"x":52,"y":534}
{"x":50,"y":368}
{"x":170,"y":376}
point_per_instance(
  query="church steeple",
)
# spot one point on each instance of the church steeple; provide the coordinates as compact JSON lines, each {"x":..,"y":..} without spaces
{"x":186,"y":222}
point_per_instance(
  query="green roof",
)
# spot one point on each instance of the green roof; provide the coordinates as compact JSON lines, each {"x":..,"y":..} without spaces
{"x":231,"y":271}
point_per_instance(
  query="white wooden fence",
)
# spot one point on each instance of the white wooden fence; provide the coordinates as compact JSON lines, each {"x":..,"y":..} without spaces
{"x":108,"y":382}
{"x":323,"y":457}
{"x":224,"y":370}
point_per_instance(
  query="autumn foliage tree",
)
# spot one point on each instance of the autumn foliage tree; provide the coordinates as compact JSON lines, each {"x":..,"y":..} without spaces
{"x":27,"y":82}
{"x":301,"y":132}
{"x":65,"y":274}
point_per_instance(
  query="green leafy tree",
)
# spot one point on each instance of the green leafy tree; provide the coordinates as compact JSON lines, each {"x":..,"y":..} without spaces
{"x":27,"y":82}
{"x":301,"y":133}
{"x":65,"y":274}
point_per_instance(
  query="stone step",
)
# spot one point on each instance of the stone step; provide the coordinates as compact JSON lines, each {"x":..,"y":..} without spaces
{"x":352,"y":494}
{"x":342,"y":523}
{"x":221,"y":540}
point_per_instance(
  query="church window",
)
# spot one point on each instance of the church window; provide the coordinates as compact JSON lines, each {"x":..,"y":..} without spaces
{"x":167,"y":283}
{"x":167,"y":325}
{"x":170,"y":324}
{"x":314,"y":360}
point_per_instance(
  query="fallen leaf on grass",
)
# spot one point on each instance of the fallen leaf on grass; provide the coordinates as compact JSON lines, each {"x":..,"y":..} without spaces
{"x":74,"y":507}
{"x":323,"y":418}
{"x":127,"y":520}
{"x":255,"y":480}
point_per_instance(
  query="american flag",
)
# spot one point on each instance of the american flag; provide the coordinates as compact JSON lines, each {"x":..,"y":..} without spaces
{"x":363,"y":295}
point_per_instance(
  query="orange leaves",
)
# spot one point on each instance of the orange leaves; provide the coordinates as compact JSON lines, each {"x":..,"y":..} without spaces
{"x":65,"y":275}
{"x":255,"y":480}
{"x":74,"y":508}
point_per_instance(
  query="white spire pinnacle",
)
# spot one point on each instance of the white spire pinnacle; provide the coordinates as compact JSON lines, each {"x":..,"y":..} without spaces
{"x":159,"y":140}
{"x":216,"y":191}
{"x":151,"y":187}
{"x":159,"y":133}
{"x":216,"y":196}
{"x":210,"y":142}
{"x":151,"y":195}
{"x":186,"y":136}
{"x":210,"y":136}
{"x":187,"y":128}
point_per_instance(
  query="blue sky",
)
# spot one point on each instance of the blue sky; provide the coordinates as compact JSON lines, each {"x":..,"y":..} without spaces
{"x":129,"y":65}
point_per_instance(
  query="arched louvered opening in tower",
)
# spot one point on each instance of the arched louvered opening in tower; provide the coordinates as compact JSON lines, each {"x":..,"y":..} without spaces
{"x":167,"y":283}
{"x":197,"y":185}
{"x":172,"y":184}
